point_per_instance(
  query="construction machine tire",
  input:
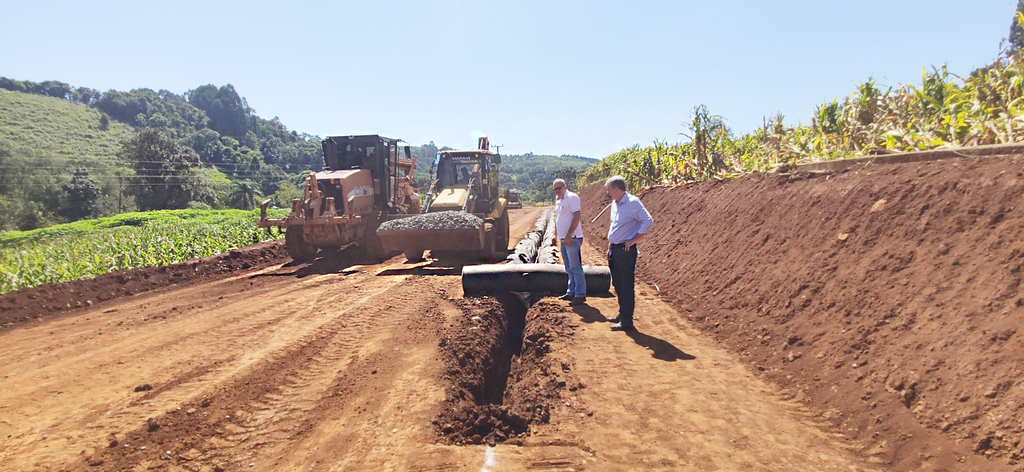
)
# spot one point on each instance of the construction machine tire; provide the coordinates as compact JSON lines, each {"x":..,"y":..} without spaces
{"x":490,"y":251}
{"x":295,"y":243}
{"x":502,"y":233}
{"x":371,"y":242}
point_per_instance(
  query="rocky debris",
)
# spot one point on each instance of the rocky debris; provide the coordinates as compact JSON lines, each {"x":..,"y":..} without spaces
{"x":491,"y":399}
{"x":477,"y":424}
{"x":442,"y":220}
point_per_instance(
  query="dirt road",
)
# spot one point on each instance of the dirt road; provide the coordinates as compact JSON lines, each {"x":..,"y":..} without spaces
{"x":338,"y":365}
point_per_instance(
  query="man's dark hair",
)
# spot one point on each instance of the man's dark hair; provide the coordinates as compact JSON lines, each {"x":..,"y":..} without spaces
{"x":616,"y":181}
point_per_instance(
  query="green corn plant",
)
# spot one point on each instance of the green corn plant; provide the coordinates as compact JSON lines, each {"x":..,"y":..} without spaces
{"x":987,"y":107}
{"x":94,"y":248}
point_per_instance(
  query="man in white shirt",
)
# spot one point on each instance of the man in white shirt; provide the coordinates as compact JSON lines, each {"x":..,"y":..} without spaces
{"x":569,"y":231}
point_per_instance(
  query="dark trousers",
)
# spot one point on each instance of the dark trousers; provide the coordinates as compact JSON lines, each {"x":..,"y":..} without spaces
{"x":622,"y":264}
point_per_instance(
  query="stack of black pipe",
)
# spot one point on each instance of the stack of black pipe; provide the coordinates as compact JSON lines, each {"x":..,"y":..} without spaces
{"x":548,"y":252}
{"x":526,"y":250}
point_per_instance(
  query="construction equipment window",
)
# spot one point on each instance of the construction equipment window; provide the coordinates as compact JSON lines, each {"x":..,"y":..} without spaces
{"x":346,"y":158}
{"x":367,"y":155}
{"x":446,"y":173}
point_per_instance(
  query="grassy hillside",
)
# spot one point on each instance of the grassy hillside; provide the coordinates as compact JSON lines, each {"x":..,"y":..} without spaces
{"x":43,"y":141}
{"x":50,"y":126}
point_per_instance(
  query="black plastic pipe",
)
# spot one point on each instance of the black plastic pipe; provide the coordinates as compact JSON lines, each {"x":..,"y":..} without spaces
{"x":550,"y":278}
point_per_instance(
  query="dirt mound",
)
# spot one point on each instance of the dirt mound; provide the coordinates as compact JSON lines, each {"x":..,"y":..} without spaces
{"x":499,"y":376}
{"x":887,"y":297}
{"x":49,"y":301}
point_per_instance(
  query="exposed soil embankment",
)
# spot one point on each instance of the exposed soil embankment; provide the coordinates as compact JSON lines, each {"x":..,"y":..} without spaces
{"x":887,"y":297}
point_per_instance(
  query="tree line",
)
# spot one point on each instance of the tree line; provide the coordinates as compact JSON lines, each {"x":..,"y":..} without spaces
{"x":203,"y":149}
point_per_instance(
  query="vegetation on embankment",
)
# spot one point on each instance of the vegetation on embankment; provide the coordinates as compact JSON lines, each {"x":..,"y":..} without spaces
{"x":89,"y":248}
{"x":985,"y":107}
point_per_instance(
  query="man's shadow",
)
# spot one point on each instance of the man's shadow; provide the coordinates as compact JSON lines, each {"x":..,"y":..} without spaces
{"x":589,"y":314}
{"x":660,"y":349}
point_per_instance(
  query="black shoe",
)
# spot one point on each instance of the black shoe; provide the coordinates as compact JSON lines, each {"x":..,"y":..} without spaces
{"x":621,"y":327}
{"x":578,"y":301}
{"x":614,"y":320}
{"x":567,"y":296}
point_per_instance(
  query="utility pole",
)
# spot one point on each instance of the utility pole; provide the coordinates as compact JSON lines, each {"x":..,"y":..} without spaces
{"x":498,"y":147}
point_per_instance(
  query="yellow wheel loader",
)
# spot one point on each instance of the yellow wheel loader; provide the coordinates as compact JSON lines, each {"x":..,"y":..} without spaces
{"x":464,"y":212}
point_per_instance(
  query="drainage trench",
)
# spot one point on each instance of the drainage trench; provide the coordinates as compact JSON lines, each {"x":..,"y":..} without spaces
{"x":507,"y":346}
{"x":501,"y":378}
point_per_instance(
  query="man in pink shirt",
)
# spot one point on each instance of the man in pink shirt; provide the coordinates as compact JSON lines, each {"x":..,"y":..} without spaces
{"x":569,"y":231}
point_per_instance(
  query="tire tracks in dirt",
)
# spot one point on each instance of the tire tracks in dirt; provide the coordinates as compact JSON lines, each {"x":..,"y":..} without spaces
{"x":198,"y":345}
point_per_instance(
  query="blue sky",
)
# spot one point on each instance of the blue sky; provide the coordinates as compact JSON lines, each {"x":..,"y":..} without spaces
{"x":549,"y":77}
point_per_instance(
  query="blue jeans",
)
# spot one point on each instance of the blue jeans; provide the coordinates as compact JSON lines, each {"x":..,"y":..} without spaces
{"x":574,"y":267}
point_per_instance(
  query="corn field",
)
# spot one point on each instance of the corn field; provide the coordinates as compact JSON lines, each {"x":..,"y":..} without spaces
{"x":80,"y":250}
{"x":942,"y":111}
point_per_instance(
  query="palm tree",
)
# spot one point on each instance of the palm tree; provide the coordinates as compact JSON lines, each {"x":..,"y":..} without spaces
{"x":243,"y":194}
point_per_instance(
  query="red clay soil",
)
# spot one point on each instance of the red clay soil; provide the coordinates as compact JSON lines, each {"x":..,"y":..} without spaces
{"x":886,"y":297}
{"x":51,"y":301}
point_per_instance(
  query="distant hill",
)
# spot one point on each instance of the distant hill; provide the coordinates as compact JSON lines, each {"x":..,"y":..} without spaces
{"x":529,"y":173}
{"x":61,"y":128}
{"x":532,"y":174}
{"x":59,"y":153}
{"x":43,"y":141}
{"x":59,"y":150}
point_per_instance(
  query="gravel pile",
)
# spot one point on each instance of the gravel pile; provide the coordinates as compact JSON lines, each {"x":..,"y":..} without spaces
{"x":442,"y":220}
